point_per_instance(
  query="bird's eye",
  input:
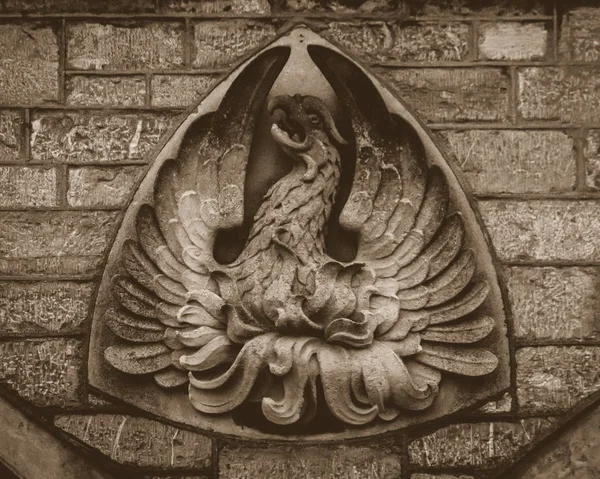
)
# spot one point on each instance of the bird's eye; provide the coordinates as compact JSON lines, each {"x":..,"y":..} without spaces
{"x":314,"y":119}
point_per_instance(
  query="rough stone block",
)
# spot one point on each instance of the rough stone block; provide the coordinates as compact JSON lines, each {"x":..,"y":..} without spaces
{"x":54,"y":242}
{"x":45,"y":372}
{"x":513,"y":41}
{"x":76,"y":6}
{"x":554,"y":303}
{"x":546,"y":230}
{"x":216,"y":6}
{"x":94,"y":46}
{"x":556,"y":378}
{"x":385,"y":42}
{"x":102,"y":187}
{"x":11,"y":135}
{"x":579,"y":35}
{"x":180,"y":90}
{"x":487,"y":444}
{"x":22,"y":187}
{"x":591,"y":154}
{"x":121,"y":91}
{"x":340,"y":6}
{"x":89,"y":138}
{"x":138,"y":441}
{"x":43,"y":307}
{"x":28,"y":64}
{"x":512,"y":161}
{"x":342,"y":462}
{"x":560,"y":93}
{"x":453,"y":94}
{"x":222,"y":44}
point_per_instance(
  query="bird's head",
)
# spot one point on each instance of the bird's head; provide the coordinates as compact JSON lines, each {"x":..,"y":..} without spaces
{"x":300,"y":120}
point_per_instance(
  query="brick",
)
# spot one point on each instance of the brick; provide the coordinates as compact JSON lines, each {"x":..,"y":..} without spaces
{"x":579,"y":35}
{"x":545,"y":230}
{"x":216,"y":6}
{"x":76,"y":6}
{"x":340,"y":6}
{"x":486,"y":444}
{"x":439,"y":476}
{"x":22,"y":187}
{"x":28,"y":64}
{"x":222,"y":44}
{"x":343,"y":462}
{"x":43,"y":307}
{"x":513,"y":41}
{"x":138,"y":441}
{"x":43,"y":372}
{"x":81,"y":138}
{"x":554,"y":303}
{"x":453,"y":94}
{"x":11,"y":135}
{"x":94,"y":46}
{"x":512,"y":161}
{"x":591,"y":154}
{"x":556,"y":378}
{"x":54,"y":242}
{"x":555,"y":93}
{"x":504,"y":404}
{"x":119,"y":91}
{"x":573,"y":453}
{"x":392,"y":42}
{"x":180,"y":90}
{"x":102,"y":187}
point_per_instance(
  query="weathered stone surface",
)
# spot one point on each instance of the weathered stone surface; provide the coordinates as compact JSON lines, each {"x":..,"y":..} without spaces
{"x":439,"y":476}
{"x":180,"y":90}
{"x":76,"y":6}
{"x":138,"y":441}
{"x":22,"y":187}
{"x":102,"y":187}
{"x":560,"y":93}
{"x":573,"y":453}
{"x":504,"y":404}
{"x":579,"y":35}
{"x":556,"y":378}
{"x":550,"y":230}
{"x":11,"y":135}
{"x":343,"y":462}
{"x":88,"y":138}
{"x":43,"y":307}
{"x":216,"y":6}
{"x":453,"y":94}
{"x":554,"y":303}
{"x":118,"y":91}
{"x":513,"y":41}
{"x":54,"y":242}
{"x":45,"y":372}
{"x":591,"y":154}
{"x":392,"y":42}
{"x":512,"y":161}
{"x":339,"y":6}
{"x":221,"y":44}
{"x":28,"y":64}
{"x":485,"y":444}
{"x":94,"y":46}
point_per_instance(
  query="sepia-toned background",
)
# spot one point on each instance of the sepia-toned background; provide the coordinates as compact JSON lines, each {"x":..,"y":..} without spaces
{"x":511,"y":88}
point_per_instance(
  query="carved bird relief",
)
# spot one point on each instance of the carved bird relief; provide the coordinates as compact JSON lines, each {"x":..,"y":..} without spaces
{"x":285,"y":325}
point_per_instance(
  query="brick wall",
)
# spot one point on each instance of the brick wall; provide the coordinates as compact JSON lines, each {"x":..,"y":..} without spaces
{"x":511,"y":87}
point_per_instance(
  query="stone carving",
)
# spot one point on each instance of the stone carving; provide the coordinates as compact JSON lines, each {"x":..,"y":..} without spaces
{"x":285,"y":328}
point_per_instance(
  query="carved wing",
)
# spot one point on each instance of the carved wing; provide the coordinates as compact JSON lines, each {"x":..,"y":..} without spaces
{"x":411,"y":238}
{"x":168,"y":307}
